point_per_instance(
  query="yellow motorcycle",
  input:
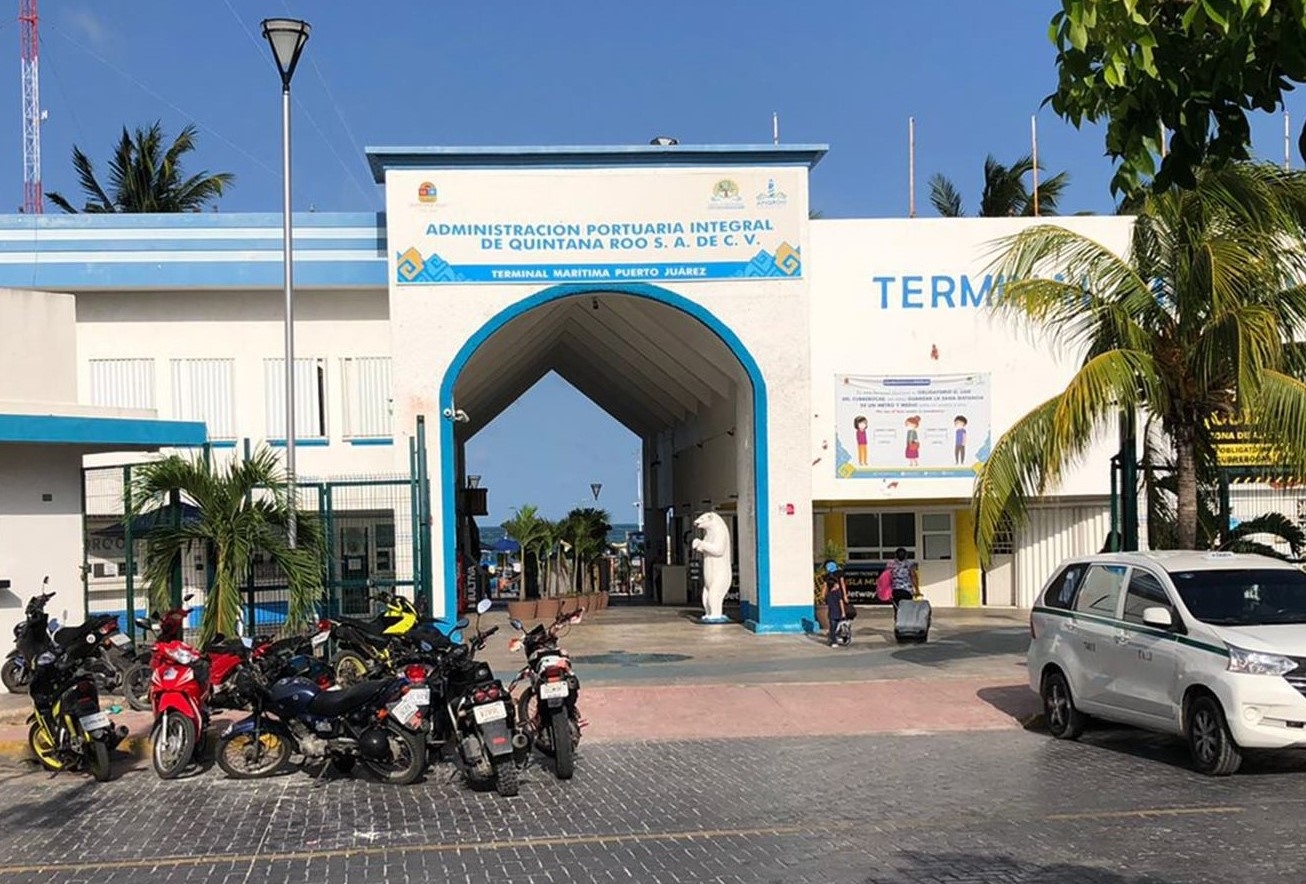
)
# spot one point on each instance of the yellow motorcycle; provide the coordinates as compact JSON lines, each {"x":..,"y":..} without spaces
{"x":365,"y":644}
{"x":68,"y":729}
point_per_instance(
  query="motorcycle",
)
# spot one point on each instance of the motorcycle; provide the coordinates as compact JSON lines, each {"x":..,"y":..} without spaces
{"x":547,"y":706}
{"x":363,"y":643}
{"x":367,"y":648}
{"x":17,"y":669}
{"x":167,"y":628}
{"x":476,"y":715}
{"x":68,"y":730}
{"x":377,"y":722}
{"x":179,"y":694}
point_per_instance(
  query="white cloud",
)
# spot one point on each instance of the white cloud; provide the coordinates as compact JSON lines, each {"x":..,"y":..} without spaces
{"x":90,"y":25}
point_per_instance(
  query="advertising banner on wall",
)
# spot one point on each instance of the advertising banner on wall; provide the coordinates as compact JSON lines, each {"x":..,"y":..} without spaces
{"x":896,"y":427}
{"x":460,"y":227}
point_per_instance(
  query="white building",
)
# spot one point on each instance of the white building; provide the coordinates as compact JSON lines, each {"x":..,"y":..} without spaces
{"x":682,"y":288}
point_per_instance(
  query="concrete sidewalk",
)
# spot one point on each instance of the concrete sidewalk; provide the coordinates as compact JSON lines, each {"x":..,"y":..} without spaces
{"x":654,"y":674}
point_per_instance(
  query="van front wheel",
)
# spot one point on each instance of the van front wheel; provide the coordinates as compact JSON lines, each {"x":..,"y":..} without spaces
{"x":1212,"y":746}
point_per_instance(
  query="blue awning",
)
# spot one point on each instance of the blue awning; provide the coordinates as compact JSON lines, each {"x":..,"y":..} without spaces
{"x":100,"y":432}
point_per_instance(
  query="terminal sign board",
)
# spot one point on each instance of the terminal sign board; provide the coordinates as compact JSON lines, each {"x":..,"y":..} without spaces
{"x":475,"y":227}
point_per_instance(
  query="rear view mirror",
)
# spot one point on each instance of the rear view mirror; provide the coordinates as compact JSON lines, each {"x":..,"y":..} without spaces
{"x":1158,"y":617}
{"x":483,"y":606}
{"x":515,"y":624}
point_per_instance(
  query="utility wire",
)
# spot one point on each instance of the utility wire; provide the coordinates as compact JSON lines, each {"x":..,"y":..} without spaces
{"x":146,"y":89}
{"x":349,"y":170}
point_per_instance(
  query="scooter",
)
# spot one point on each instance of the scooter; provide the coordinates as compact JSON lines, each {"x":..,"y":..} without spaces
{"x":547,"y":707}
{"x":179,"y":694}
{"x":68,"y":730}
{"x":17,"y":669}
{"x":168,"y":628}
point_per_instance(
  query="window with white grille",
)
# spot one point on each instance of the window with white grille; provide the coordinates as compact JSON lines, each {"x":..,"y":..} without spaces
{"x":366,"y":382}
{"x":122,"y":383}
{"x":205,"y":390}
{"x":310,"y":398}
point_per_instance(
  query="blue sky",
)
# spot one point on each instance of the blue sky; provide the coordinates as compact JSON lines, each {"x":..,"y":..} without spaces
{"x":847,"y":73}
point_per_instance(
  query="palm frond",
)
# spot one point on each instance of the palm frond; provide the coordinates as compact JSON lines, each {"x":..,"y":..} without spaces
{"x":945,"y":197}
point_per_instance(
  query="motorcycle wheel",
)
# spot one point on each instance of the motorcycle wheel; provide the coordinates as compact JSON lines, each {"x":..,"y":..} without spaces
{"x":505,"y":777}
{"x":564,"y":757}
{"x":350,"y":669}
{"x":43,"y":747}
{"x":14,"y":677}
{"x":98,"y":759}
{"x":269,"y":752}
{"x":174,"y":744}
{"x":409,"y":760}
{"x":136,"y":687}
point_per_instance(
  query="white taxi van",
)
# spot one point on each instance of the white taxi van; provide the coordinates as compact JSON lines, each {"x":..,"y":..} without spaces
{"x":1207,"y":646}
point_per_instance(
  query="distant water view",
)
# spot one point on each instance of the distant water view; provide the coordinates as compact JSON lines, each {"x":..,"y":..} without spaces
{"x":492,"y":534}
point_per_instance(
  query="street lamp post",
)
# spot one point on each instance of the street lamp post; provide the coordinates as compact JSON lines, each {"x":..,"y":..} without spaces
{"x":287,"y":37}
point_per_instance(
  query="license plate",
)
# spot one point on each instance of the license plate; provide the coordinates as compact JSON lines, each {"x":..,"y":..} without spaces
{"x":490,"y":712}
{"x":96,"y":722}
{"x":119,"y":639}
{"x":419,"y":696}
{"x":320,"y":638}
{"x":554,"y":689}
{"x":406,"y":709}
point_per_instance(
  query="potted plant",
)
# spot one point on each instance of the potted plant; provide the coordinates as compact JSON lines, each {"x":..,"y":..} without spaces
{"x":522,"y":609}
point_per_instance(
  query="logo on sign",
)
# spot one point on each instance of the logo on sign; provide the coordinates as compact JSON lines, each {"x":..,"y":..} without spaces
{"x":426,"y":192}
{"x":772,"y":196}
{"x":725,"y":195}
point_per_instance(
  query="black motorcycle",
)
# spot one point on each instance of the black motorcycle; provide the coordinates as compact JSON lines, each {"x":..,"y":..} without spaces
{"x":472,"y":711}
{"x":376,"y":722}
{"x":68,"y":730}
{"x":35,"y":633}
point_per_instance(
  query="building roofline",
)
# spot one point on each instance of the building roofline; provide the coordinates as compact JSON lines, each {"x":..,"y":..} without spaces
{"x":381,"y":159}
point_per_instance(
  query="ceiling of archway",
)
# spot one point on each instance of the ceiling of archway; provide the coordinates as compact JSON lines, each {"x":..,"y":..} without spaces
{"x":648,"y":365}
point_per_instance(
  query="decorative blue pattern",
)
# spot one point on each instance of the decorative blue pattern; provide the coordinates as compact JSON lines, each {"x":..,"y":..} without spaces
{"x":411,"y":268}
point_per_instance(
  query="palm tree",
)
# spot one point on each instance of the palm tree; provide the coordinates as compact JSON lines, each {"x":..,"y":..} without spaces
{"x":1005,"y":192}
{"x":1195,"y":322}
{"x":244,"y":508}
{"x":144,"y":177}
{"x":525,"y":528}
{"x":587,"y":529}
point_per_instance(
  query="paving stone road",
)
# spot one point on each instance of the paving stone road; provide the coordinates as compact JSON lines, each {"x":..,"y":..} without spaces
{"x":1008,"y":806}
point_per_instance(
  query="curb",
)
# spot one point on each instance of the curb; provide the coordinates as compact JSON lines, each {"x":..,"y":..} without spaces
{"x":135,"y":747}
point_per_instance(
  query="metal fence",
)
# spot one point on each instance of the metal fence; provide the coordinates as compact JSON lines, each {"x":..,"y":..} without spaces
{"x":375,"y":528}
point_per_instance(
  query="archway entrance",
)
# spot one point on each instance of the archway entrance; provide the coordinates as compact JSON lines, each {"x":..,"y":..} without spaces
{"x":664,"y":367}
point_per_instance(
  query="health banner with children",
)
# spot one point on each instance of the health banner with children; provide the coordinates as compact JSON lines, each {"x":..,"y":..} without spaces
{"x":900,"y":427}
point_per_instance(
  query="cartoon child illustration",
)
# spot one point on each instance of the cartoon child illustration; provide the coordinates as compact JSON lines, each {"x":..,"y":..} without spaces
{"x":913,"y":452}
{"x":959,"y":444}
{"x":860,"y":424}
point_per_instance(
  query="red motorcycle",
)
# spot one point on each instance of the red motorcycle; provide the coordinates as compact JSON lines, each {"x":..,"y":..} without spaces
{"x":179,"y":687}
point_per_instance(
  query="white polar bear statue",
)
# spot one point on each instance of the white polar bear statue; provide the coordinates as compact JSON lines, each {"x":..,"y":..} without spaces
{"x":714,"y":546}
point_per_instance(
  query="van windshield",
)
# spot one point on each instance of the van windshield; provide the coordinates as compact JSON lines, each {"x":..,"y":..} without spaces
{"x":1243,"y":597}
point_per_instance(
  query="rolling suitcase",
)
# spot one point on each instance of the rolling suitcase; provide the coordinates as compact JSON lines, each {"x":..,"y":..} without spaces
{"x":911,"y":621}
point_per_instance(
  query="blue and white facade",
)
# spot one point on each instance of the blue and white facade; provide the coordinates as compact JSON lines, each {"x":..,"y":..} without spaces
{"x":684,"y":289}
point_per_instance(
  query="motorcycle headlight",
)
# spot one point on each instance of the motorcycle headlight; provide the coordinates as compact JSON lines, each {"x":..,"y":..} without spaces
{"x":182,"y":656}
{"x":1259,"y":662}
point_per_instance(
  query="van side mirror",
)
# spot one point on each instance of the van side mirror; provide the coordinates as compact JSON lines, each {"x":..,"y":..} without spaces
{"x":1158,"y":617}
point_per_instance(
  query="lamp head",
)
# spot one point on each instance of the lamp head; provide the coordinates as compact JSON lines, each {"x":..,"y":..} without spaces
{"x":287,"y":37}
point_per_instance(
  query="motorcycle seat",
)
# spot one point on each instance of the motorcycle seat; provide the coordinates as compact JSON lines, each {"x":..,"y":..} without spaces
{"x":69,"y":636}
{"x":330,"y":704}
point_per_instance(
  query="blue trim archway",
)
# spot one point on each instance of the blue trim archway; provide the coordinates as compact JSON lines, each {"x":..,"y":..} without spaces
{"x":761,"y":478}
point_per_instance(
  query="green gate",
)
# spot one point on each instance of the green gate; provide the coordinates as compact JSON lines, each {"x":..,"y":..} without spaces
{"x":376,"y":531}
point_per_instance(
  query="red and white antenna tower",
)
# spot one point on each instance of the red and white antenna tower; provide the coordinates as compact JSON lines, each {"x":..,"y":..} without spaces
{"x":31,"y":109}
